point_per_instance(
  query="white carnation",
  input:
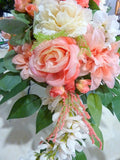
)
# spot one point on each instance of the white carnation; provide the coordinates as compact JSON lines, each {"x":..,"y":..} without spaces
{"x":64,"y":15}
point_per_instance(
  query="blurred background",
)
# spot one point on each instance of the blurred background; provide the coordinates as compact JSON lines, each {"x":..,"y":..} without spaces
{"x":17,"y":137}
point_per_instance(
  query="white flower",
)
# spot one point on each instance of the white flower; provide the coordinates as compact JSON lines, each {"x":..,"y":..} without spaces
{"x":108,"y":24}
{"x":66,"y":144}
{"x":74,"y":130}
{"x":102,"y":5}
{"x":64,"y":15}
{"x":53,"y":103}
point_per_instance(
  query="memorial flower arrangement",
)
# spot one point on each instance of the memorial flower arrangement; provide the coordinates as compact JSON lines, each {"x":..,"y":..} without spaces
{"x":71,"y":48}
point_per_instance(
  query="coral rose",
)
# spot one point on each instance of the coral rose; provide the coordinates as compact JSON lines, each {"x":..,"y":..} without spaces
{"x":21,"y":4}
{"x":83,"y":85}
{"x":31,"y":8}
{"x":55,"y":61}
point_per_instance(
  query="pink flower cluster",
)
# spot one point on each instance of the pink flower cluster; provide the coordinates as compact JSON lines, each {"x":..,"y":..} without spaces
{"x":85,"y":3}
{"x":58,"y":62}
{"x":25,"y":6}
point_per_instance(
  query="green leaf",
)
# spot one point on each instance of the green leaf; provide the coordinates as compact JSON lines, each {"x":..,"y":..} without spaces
{"x":116,"y":106}
{"x":28,"y":36}
{"x":40,"y":37}
{"x":117,"y":38}
{"x":110,"y":108}
{"x":8,"y":81}
{"x":21,"y":39}
{"x":116,"y":90}
{"x":17,"y":89}
{"x":84,"y":98}
{"x":2,"y":69}
{"x":95,"y":107}
{"x":80,"y":156}
{"x":22,"y":17}
{"x":93,"y":5}
{"x":25,"y":106}
{"x":105,"y":94}
{"x":44,"y":118}
{"x":8,"y":61}
{"x":99,"y":134}
{"x":12,"y":26}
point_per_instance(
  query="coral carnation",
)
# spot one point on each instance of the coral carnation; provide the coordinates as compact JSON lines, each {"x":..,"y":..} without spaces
{"x":103,"y":64}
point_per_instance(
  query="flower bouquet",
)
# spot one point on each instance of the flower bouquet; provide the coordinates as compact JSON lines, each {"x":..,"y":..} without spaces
{"x":69,"y":47}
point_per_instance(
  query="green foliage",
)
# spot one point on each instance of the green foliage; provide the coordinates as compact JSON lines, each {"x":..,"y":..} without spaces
{"x":6,"y":62}
{"x":99,"y":134}
{"x":13,"y":26}
{"x":25,"y":106}
{"x":105,"y":94}
{"x":110,"y":97}
{"x":117,"y":38}
{"x":93,"y":5}
{"x":17,"y":89}
{"x":40,"y":37}
{"x":116,"y":106}
{"x":2,"y":69}
{"x":95,"y":107}
{"x":8,"y":81}
{"x":44,"y":118}
{"x":25,"y":18}
{"x":8,"y":65}
{"x":80,"y":156}
{"x":19,"y":30}
{"x":21,"y":39}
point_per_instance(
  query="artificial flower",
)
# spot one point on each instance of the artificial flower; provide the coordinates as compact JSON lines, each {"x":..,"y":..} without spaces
{"x":72,"y":50}
{"x":58,"y":91}
{"x":108,"y":24}
{"x":103,"y":64}
{"x":55,"y":61}
{"x":83,"y":85}
{"x":31,"y":9}
{"x":21,"y":60}
{"x":83,"y":3}
{"x":21,"y":4}
{"x":67,"y":140}
{"x":64,"y":15}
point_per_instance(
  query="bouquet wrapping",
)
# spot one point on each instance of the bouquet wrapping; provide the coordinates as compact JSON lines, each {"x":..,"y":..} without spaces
{"x":71,"y":48}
